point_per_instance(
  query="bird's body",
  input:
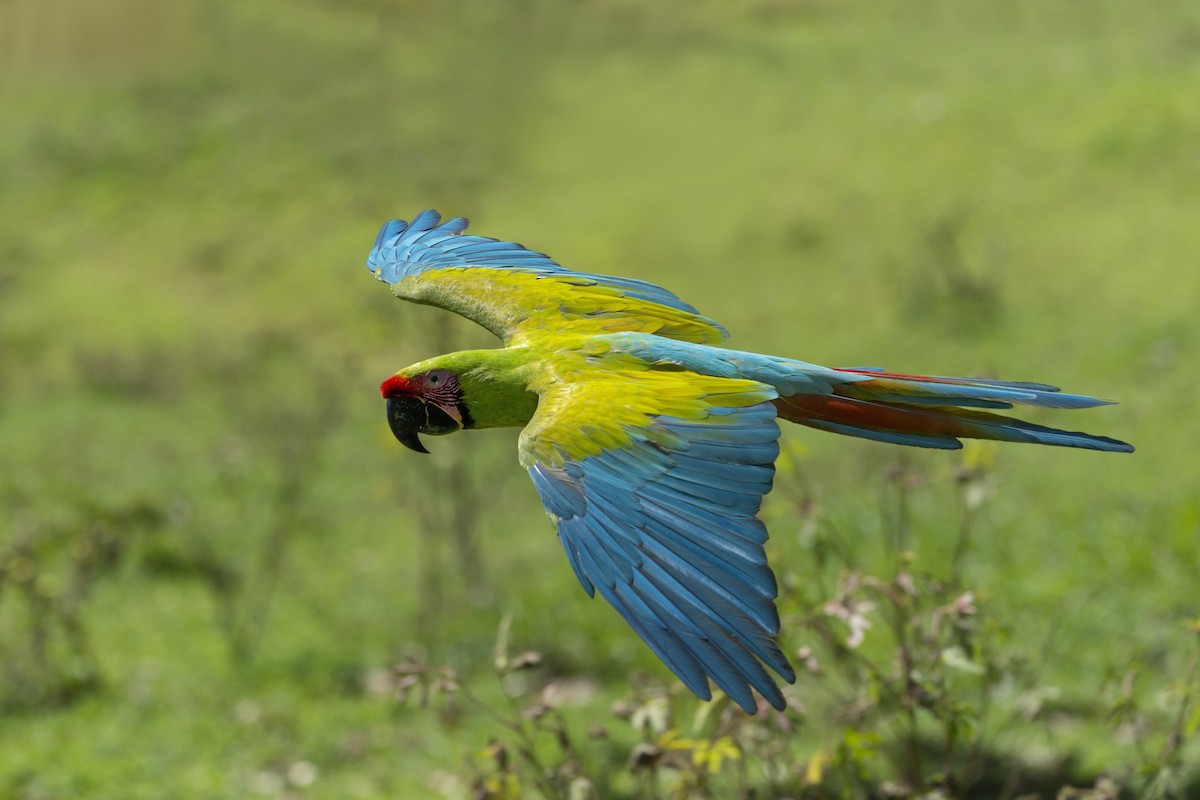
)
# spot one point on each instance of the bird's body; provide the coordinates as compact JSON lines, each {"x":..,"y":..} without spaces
{"x":652,"y":448}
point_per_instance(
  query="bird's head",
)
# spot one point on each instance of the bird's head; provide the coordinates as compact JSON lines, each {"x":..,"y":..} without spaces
{"x":429,"y":401}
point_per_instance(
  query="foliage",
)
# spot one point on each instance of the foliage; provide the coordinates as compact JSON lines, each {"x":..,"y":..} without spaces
{"x":51,"y":572}
{"x":923,"y":704}
{"x":212,"y":558}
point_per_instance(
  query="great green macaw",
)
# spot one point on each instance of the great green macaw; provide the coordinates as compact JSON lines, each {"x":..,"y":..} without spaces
{"x":651,"y":447}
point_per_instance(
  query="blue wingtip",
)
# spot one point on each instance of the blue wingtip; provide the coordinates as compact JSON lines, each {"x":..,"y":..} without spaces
{"x":390,"y":229}
{"x":406,"y":248}
{"x":390,"y":232}
{"x":427,"y":220}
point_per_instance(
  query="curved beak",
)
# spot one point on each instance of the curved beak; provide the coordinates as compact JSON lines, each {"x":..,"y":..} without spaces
{"x":406,"y":415}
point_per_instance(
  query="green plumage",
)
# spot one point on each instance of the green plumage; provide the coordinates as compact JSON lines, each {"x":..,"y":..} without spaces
{"x":495,"y":383}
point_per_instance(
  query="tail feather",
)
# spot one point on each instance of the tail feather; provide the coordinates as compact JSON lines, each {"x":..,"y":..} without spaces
{"x":977,"y":392}
{"x":919,"y":410}
{"x":927,"y":412}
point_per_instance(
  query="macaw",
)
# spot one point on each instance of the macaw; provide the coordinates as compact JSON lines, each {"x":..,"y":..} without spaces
{"x":651,"y":447}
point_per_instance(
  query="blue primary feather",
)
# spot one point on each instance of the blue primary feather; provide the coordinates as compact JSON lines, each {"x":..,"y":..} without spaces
{"x":671,"y":540}
{"x":699,"y":510}
{"x":670,"y":650}
{"x":696,"y":534}
{"x":748,"y":574}
{"x":705,"y":601}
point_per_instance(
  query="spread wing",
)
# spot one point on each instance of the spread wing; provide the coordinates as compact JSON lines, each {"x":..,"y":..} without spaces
{"x":654,"y":480}
{"x":513,"y":291}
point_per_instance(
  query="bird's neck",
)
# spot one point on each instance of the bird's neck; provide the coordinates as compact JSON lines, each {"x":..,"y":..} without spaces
{"x":495,"y":387}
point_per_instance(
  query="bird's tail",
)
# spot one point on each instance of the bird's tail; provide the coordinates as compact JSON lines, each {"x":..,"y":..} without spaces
{"x":931,"y":411}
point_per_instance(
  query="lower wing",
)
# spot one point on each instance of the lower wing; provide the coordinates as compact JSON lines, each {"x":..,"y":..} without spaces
{"x":654,"y":480}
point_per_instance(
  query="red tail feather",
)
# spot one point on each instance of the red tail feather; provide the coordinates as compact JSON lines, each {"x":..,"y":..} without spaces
{"x":808,"y":408}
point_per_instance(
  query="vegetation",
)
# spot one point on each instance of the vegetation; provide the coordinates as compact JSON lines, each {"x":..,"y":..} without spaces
{"x":219,"y":577}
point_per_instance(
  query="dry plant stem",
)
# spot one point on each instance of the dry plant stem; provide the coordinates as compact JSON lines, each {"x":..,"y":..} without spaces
{"x":1176,"y":736}
{"x":975,"y":754}
{"x":899,"y":618}
{"x":518,"y":726}
{"x":271,"y":561}
{"x":961,"y":545}
{"x":429,"y":597}
{"x":446,"y":517}
{"x":897,"y":523}
{"x":465,"y":512}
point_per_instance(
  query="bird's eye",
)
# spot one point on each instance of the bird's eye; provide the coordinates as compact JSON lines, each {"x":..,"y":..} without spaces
{"x":434,"y":379}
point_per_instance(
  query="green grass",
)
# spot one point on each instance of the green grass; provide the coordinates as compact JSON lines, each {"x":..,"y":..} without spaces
{"x":189,"y":350}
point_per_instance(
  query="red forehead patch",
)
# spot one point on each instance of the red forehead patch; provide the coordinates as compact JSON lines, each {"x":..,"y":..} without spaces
{"x":398,"y":385}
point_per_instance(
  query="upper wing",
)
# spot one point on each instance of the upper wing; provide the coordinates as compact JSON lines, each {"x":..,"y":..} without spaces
{"x":654,"y":480}
{"x":512,"y":291}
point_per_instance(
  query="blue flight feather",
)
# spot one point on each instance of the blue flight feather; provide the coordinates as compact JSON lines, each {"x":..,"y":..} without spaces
{"x":747,"y":573}
{"x":675,"y":551}
{"x":708,"y":598}
{"x":672,"y":516}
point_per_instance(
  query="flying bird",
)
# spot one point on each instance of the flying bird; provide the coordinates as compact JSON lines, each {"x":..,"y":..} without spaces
{"x":650,"y":446}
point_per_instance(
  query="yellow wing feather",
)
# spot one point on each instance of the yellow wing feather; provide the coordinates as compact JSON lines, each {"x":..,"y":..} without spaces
{"x":587,"y":408}
{"x":514,"y":305}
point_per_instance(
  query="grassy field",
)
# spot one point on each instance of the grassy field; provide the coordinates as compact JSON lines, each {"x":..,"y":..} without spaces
{"x":213,"y":556}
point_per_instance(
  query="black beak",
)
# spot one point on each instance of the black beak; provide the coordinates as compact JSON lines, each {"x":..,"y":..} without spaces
{"x":406,"y":415}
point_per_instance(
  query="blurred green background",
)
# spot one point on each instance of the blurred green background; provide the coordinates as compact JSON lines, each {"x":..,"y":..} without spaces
{"x":211,"y":551}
